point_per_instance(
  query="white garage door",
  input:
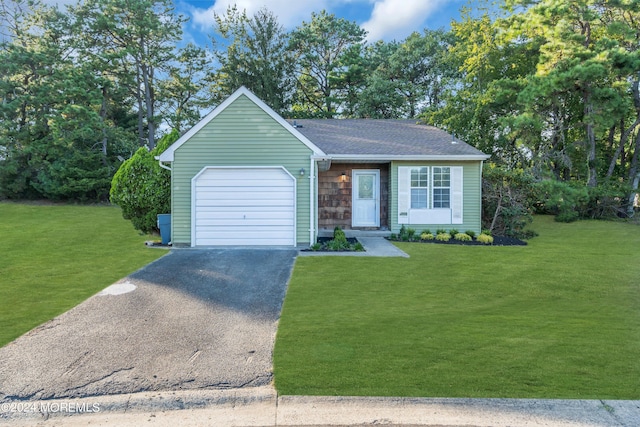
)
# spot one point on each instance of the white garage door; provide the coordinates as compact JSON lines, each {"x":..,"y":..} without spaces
{"x":243,"y":206}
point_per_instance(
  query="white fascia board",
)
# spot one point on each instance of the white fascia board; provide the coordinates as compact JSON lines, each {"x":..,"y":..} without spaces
{"x":377,"y":157}
{"x":168,"y":154}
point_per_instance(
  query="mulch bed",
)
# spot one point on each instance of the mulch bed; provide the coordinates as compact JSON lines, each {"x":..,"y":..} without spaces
{"x":351,"y":240}
{"x":497,"y":241}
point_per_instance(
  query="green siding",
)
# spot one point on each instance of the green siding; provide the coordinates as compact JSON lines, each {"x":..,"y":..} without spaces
{"x":472,"y":196}
{"x":241,"y":135}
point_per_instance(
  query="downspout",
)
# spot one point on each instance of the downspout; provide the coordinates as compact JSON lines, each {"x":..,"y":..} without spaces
{"x":313,"y":209}
{"x":163,"y":166}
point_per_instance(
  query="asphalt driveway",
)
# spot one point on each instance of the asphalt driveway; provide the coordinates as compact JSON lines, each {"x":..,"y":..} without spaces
{"x":194,"y":319}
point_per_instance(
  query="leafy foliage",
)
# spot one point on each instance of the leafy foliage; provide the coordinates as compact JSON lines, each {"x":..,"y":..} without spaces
{"x":252,"y":52}
{"x":323,"y":50}
{"x":506,"y":202}
{"x":570,"y":201}
{"x":550,"y":88}
{"x":142,"y":188}
{"x":485,"y":238}
{"x":443,"y":237}
{"x":463,"y":237}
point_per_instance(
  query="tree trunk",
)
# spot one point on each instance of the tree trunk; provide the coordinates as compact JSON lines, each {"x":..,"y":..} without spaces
{"x":103,"y":118}
{"x":591,"y":139}
{"x":623,"y":141}
{"x":634,"y":176}
{"x":141,"y":137}
{"x":496,"y":214}
{"x":147,"y":76}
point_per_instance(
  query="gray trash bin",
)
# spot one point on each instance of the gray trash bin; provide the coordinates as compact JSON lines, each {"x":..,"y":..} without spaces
{"x":164,"y":224}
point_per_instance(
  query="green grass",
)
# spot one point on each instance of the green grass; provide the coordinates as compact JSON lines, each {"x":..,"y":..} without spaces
{"x":55,"y":256}
{"x":559,"y":318}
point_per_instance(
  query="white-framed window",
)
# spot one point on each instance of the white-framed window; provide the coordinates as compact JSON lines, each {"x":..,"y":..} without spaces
{"x":419,"y":187}
{"x":441,"y":187}
{"x":430,"y":194}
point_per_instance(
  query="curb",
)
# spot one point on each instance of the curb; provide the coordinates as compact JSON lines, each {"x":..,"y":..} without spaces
{"x":261,"y":406}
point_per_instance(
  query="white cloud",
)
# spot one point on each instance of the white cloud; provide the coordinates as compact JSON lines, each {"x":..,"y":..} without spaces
{"x":290,"y":13}
{"x":398,"y":18}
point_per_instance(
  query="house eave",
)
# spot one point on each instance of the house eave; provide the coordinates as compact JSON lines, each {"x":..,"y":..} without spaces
{"x":388,"y":158}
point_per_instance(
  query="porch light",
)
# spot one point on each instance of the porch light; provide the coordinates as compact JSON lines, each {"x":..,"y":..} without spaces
{"x":302,"y":172}
{"x":343,"y":177}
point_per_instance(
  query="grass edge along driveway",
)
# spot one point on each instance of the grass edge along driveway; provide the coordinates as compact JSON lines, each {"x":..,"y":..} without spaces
{"x":559,"y":318}
{"x":56,"y":256}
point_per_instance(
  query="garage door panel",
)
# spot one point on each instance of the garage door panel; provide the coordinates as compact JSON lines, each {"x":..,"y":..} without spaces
{"x":246,"y":232}
{"x":248,"y":242}
{"x":244,"y":222}
{"x":235,"y":182}
{"x":240,"y":206}
{"x":264,"y":198}
{"x":222,"y":210}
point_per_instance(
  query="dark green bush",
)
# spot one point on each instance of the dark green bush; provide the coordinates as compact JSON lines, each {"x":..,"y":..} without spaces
{"x":339,"y":235}
{"x":142,"y":188}
{"x":570,"y":201}
{"x":562,"y":199}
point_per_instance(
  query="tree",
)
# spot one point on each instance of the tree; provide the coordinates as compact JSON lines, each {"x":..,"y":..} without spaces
{"x":134,"y":41}
{"x":480,"y":88}
{"x":253,"y":52}
{"x":322,"y":48}
{"x":49,"y":114}
{"x":380,"y":97}
{"x":581,"y":59}
{"x":182,"y":92}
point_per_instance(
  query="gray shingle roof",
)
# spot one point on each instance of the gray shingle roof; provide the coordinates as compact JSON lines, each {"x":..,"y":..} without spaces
{"x":393,"y":138}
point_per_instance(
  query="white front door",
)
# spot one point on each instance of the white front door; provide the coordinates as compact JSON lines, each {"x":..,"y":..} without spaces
{"x":365,"y":198}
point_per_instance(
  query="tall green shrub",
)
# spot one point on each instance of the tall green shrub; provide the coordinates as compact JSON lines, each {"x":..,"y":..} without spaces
{"x":570,"y":201}
{"x":562,"y":199}
{"x":142,"y":188}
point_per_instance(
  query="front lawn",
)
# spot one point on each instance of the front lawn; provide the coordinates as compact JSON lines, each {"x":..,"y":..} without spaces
{"x":559,"y":318}
{"x":55,"y":256}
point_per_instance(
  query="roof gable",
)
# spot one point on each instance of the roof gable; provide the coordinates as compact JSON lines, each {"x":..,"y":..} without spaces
{"x":168,"y":154}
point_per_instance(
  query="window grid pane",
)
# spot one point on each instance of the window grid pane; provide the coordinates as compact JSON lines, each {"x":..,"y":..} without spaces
{"x":418,"y":198}
{"x":441,"y":187}
{"x":441,"y":198}
{"x":419,"y":187}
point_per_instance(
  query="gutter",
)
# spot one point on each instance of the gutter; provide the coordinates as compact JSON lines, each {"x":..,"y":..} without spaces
{"x":386,"y":158}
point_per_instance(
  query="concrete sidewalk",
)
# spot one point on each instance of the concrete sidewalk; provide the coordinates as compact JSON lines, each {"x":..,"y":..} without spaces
{"x":260,"y":406}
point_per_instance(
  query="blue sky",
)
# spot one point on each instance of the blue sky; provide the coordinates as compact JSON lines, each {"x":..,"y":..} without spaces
{"x":383,"y":19}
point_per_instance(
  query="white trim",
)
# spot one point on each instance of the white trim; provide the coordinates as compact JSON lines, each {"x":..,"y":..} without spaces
{"x":355,"y":172}
{"x":313,"y":225}
{"x":404,"y":194}
{"x":204,"y":169}
{"x":168,"y":154}
{"x":378,"y":157}
{"x":456,"y":196}
{"x":452,"y":215}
